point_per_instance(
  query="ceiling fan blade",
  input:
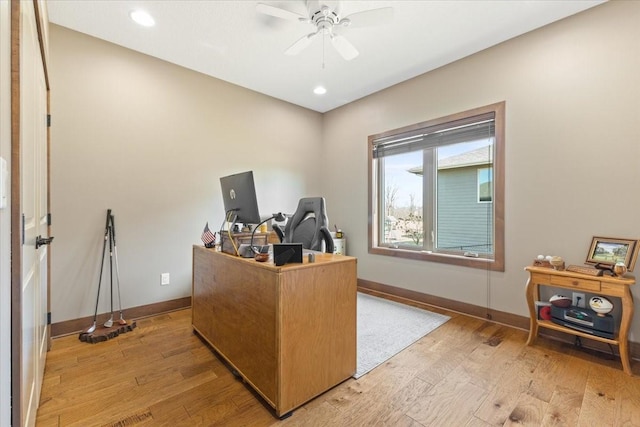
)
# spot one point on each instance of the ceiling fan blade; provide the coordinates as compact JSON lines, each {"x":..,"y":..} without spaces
{"x":300,"y":45}
{"x":368,"y":18}
{"x":279,"y":13}
{"x":344,"y":47}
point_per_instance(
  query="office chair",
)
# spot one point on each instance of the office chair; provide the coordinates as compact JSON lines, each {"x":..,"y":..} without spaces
{"x":308,"y":225}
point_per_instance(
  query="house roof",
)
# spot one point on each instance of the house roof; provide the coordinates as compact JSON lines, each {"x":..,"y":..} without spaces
{"x":475,"y":157}
{"x":479,"y":156}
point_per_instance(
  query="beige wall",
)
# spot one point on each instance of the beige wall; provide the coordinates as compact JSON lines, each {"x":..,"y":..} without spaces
{"x":572,"y":96}
{"x":150,"y":140}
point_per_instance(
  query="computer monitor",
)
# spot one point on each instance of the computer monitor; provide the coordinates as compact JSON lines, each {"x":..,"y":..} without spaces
{"x":239,"y":198}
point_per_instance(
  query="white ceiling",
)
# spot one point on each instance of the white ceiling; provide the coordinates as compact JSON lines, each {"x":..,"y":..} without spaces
{"x":231,"y":41}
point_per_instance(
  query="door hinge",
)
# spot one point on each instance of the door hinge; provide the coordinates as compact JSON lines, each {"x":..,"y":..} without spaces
{"x":49,"y":218}
{"x":23,"y":220}
{"x":48,"y":120}
{"x":48,"y":318}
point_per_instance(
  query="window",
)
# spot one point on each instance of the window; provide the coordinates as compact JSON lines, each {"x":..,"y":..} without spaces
{"x":485,"y":185}
{"x":437,"y":190}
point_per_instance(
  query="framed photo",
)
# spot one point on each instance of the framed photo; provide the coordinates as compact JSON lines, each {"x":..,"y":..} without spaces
{"x":607,"y":251}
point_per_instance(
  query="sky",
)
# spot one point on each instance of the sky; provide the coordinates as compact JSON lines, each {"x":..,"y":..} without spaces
{"x":396,"y":168}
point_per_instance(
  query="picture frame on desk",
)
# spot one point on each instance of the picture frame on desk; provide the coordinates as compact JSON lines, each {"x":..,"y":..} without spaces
{"x":607,"y":251}
{"x":287,"y":253}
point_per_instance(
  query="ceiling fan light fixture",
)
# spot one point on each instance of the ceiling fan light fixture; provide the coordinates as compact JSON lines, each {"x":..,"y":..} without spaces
{"x":325,"y":15}
{"x":320,"y":90}
{"x":141,"y":17}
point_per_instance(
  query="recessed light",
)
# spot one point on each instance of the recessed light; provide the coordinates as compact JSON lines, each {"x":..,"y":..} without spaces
{"x":143,"y":18}
{"x":320,"y":90}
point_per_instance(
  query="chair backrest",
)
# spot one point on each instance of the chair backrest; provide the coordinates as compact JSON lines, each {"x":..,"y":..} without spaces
{"x":309,"y":225}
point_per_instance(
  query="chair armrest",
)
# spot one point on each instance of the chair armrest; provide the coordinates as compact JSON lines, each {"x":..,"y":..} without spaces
{"x":328,"y":240}
{"x":279,"y":232}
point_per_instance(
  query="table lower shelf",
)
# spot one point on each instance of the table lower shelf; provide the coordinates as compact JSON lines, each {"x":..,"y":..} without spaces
{"x":550,"y":325}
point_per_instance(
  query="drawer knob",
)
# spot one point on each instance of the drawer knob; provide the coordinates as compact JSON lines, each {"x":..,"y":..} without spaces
{"x":575,"y":283}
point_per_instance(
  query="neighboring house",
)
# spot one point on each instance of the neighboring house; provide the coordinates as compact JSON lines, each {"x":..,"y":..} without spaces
{"x":464,"y":205}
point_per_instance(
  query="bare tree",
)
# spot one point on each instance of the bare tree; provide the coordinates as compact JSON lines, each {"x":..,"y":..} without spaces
{"x":390,"y":198}
{"x":413,"y":223}
{"x":412,"y":203}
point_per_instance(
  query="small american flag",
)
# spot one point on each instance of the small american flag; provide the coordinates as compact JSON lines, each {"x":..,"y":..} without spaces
{"x":208,"y":237}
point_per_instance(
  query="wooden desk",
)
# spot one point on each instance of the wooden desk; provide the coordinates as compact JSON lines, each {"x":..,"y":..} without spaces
{"x":288,"y":331}
{"x":603,"y":285}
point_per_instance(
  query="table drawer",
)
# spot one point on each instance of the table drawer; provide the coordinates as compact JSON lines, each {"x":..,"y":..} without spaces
{"x":572,"y":282}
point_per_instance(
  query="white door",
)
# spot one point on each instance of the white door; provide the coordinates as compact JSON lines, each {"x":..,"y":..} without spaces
{"x":33,"y":183}
{"x":5,"y":212}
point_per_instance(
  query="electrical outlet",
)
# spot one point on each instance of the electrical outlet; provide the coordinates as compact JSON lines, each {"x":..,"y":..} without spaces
{"x":578,"y":300}
{"x":164,"y":279}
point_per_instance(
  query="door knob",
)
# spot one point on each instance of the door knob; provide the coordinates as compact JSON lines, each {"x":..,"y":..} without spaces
{"x":41,"y":241}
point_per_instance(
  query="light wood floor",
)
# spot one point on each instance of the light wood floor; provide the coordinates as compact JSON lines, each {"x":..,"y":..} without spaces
{"x":468,"y":372}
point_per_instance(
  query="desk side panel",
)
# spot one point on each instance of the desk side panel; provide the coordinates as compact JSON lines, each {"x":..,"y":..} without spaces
{"x":237,"y":316}
{"x":201,"y":293}
{"x":318,"y":330}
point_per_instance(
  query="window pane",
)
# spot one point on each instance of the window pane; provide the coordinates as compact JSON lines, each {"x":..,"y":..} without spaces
{"x":401,"y":189}
{"x":485,"y":185}
{"x":463,"y":225}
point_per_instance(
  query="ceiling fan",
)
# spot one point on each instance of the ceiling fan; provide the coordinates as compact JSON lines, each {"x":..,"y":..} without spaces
{"x":325,"y":16}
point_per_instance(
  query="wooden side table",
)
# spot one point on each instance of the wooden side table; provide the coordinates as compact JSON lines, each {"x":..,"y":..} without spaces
{"x":602,"y":285}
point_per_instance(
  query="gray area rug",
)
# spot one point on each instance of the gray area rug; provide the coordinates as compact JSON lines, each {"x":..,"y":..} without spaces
{"x":386,"y":327}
